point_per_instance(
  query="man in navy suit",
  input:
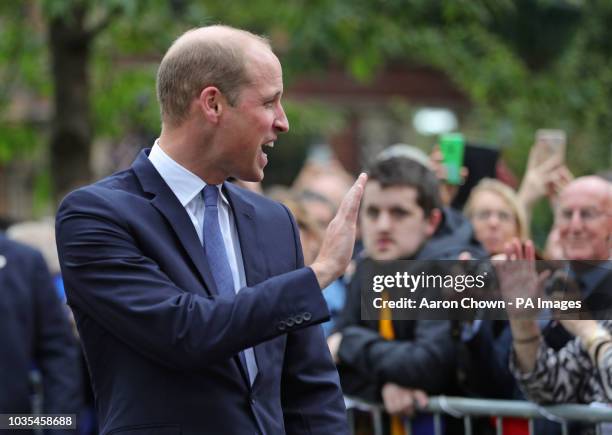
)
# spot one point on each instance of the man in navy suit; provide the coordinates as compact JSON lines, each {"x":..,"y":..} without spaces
{"x":34,"y":333}
{"x":195,"y":310}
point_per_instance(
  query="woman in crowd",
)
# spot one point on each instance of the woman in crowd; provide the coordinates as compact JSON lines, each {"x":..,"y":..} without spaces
{"x":496,"y":215}
{"x":580,"y":371}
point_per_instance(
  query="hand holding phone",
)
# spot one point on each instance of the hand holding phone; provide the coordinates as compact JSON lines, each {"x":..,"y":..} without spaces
{"x":549,"y":143}
{"x":546,"y":172}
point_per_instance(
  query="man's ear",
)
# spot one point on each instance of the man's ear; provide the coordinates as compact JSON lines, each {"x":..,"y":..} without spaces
{"x":211,"y":103}
{"x":433,"y":221}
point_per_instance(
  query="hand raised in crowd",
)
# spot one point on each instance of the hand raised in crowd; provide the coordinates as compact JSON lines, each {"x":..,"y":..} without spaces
{"x":517,"y":275}
{"x":545,"y":176}
{"x":403,"y":401}
{"x":447,"y":191}
{"x":337,"y":247}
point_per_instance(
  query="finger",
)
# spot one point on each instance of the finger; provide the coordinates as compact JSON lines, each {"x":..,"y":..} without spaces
{"x":560,"y":182}
{"x":560,"y":175}
{"x":407,"y":405}
{"x":563,"y":178}
{"x":350,"y":204}
{"x":551,"y":163}
{"x":566,"y":173}
{"x":436,"y":159}
{"x":550,"y":176}
{"x":394,"y":404}
{"x":421,"y":399}
{"x":390,"y":398}
{"x":387,"y":402}
{"x":436,"y":154}
{"x":508,"y":251}
{"x":465,"y":255}
{"x":529,"y":252}
{"x":516,"y":249}
{"x":531,"y":157}
{"x":534,"y":154}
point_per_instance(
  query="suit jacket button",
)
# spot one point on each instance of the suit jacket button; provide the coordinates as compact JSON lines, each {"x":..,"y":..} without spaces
{"x":281,"y":326}
{"x":298,"y":319}
{"x":290,"y":322}
{"x":307,"y":316}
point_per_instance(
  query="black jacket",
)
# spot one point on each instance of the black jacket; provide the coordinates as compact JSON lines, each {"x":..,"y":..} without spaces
{"x":422,"y":355}
{"x":34,"y":333}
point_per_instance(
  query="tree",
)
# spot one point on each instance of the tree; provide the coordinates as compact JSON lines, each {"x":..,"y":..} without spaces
{"x":71,"y":37}
{"x":524,"y":64}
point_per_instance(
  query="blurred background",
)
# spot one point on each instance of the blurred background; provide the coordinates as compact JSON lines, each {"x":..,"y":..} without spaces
{"x":77,"y":83}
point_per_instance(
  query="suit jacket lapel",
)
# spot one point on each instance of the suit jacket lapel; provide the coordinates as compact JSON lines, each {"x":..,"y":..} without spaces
{"x":244,"y":217}
{"x":252,"y":254}
{"x":168,"y":205}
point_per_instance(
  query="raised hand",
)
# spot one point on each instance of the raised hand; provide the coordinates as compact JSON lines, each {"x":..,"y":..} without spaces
{"x":517,"y":275}
{"x":337,"y":247}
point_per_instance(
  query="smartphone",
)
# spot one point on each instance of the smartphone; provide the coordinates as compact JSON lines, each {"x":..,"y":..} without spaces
{"x":452,"y":146}
{"x":550,"y":142}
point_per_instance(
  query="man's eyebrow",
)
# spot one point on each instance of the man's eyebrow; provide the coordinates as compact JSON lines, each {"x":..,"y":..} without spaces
{"x":275,"y":96}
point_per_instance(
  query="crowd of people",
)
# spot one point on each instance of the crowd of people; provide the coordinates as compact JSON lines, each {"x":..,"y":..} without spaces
{"x":398,"y":363}
{"x":118,"y":277}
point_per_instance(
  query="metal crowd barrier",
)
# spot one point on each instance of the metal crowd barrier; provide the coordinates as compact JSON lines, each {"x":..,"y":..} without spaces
{"x":466,"y":408}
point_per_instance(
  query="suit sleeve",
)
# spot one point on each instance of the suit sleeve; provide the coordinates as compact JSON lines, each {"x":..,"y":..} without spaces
{"x":55,"y":352}
{"x":108,"y":278}
{"x":311,"y":396}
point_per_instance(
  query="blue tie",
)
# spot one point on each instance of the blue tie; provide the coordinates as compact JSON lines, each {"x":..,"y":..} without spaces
{"x":219,"y":264}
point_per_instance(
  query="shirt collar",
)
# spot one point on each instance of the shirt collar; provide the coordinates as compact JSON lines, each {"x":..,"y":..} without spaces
{"x":590,"y":278}
{"x":594,"y":277}
{"x":184,"y":184}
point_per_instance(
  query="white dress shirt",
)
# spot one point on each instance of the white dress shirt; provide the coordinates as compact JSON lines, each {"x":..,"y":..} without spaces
{"x":187,"y":187}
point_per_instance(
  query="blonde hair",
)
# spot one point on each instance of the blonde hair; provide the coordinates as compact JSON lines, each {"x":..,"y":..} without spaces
{"x":508,"y":195}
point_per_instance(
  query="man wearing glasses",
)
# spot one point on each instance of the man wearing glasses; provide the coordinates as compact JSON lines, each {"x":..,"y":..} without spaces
{"x":583,"y":218}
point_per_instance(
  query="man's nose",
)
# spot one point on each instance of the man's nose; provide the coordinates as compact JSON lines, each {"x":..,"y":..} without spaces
{"x":383,"y":223}
{"x":575,"y":221}
{"x":281,"y":123}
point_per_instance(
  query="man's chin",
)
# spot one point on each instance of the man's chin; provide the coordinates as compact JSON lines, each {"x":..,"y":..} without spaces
{"x":253,"y":177}
{"x":384,"y":256}
{"x":580,"y":254}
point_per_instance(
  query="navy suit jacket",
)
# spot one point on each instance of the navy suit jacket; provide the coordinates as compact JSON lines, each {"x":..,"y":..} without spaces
{"x":34,"y":333}
{"x":162,"y":345}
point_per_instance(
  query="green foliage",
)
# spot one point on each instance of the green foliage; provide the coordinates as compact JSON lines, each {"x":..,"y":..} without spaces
{"x":42,"y":193}
{"x":524,"y":64}
{"x":124,"y":101}
{"x":17,"y":140}
{"x":24,"y":74}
